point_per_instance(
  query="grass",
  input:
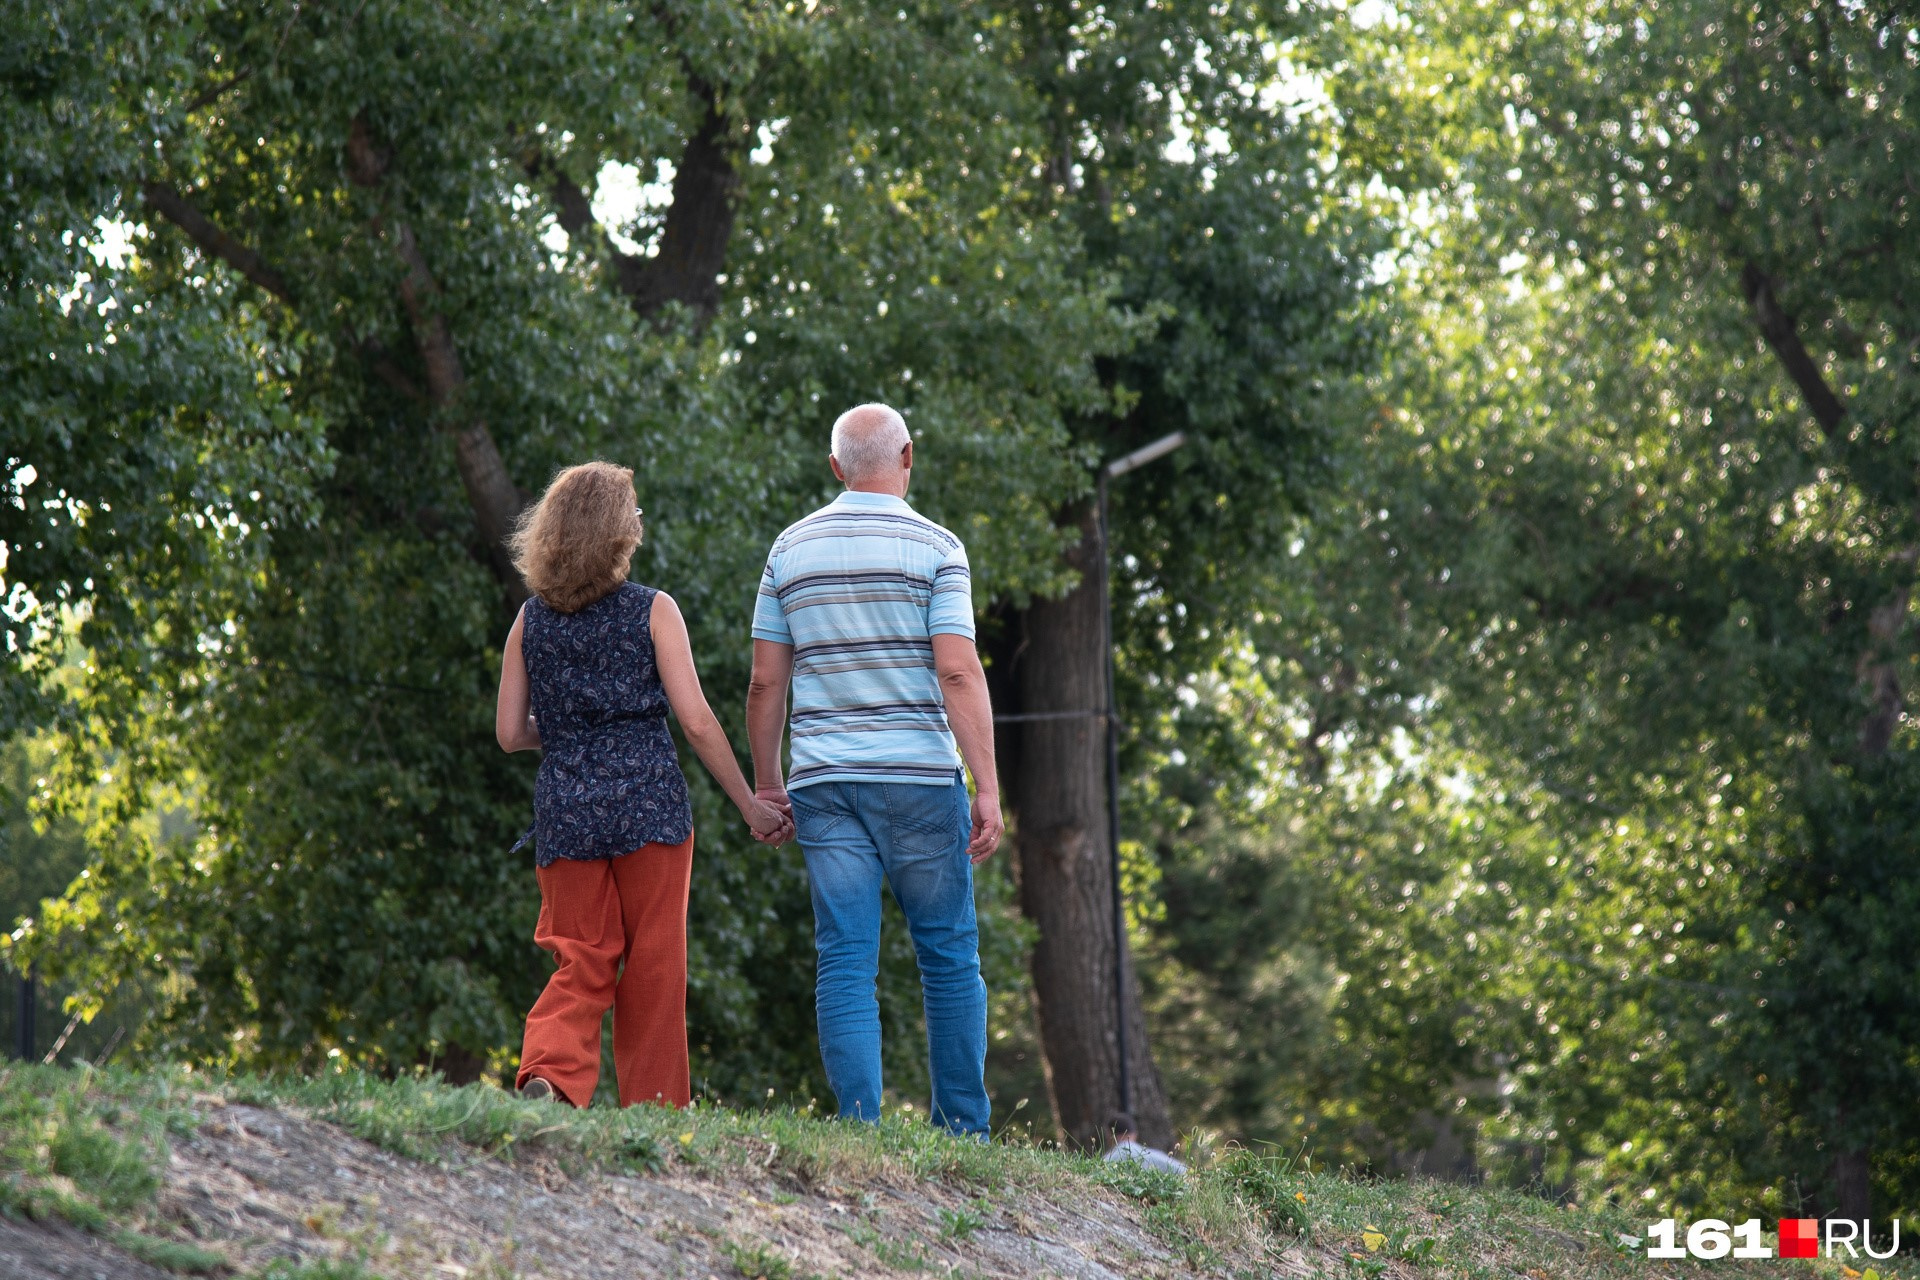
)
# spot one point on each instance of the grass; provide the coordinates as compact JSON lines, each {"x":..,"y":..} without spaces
{"x":958,"y":1225}
{"x":425,"y":1120}
{"x":89,"y":1147}
{"x":91,"y":1156}
{"x":757,"y":1262}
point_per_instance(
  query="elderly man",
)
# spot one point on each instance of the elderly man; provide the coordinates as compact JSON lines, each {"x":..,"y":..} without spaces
{"x":866,"y":608}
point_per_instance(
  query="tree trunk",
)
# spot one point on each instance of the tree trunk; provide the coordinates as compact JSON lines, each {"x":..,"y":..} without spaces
{"x":693,"y":244}
{"x":1853,"y":1184}
{"x":1878,"y":669}
{"x":1059,"y":796}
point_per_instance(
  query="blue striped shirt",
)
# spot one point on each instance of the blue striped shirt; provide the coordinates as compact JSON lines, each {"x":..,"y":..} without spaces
{"x":859,"y":589}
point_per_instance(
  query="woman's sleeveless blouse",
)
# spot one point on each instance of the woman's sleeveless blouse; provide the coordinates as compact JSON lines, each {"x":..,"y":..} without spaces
{"x":610,"y":780}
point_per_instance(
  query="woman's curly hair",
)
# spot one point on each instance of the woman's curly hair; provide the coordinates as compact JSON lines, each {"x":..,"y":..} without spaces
{"x":577,"y":543}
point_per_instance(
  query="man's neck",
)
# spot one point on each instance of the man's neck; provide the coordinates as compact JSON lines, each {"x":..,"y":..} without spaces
{"x":887,"y":491}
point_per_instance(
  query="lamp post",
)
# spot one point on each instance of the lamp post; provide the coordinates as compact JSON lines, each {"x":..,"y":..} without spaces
{"x":1113,"y":470}
{"x":23,"y":1019}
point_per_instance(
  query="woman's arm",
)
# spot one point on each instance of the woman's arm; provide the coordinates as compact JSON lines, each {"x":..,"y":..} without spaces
{"x":673,"y":655}
{"x":513,"y":722}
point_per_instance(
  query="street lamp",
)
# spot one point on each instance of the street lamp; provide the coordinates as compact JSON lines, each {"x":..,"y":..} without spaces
{"x":23,"y":1018}
{"x":1113,"y":470}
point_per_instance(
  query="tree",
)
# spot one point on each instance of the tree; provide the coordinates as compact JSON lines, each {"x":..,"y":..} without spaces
{"x":1208,"y":205}
{"x":41,"y":858}
{"x":1648,"y":524}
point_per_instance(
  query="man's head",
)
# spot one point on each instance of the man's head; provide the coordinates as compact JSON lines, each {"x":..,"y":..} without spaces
{"x":1121,"y":1127}
{"x":872,"y":451}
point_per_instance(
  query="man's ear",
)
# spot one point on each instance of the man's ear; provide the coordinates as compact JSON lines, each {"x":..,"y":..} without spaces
{"x":906,"y":457}
{"x":838,"y":474}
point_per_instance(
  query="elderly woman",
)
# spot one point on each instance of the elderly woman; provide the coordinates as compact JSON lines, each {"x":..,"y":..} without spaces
{"x":592,"y":666}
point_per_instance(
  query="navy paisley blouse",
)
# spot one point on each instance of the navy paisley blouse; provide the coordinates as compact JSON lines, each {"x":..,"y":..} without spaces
{"x":609,"y":778}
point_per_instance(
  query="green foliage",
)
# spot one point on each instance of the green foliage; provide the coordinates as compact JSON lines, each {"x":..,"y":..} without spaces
{"x":1219,"y":214}
{"x":1706,"y":609}
{"x":1546,"y":797}
{"x":41,"y":854}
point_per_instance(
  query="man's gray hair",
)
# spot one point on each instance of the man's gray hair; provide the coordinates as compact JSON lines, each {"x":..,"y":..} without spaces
{"x":867,"y":439}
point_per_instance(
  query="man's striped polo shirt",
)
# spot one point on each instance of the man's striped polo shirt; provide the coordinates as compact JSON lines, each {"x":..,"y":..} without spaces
{"x":859,"y":589}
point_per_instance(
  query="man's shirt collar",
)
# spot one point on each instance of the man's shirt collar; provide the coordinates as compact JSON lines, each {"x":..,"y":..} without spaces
{"x":871,"y":501}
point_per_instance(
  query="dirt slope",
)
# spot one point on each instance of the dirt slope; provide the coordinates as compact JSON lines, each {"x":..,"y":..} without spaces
{"x":120,"y":1175}
{"x":259,"y":1185}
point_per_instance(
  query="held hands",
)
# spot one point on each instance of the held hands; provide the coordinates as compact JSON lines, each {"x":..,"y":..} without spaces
{"x":769,"y":815}
{"x":987,"y":827}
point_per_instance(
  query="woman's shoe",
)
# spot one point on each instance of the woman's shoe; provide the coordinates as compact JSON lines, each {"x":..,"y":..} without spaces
{"x":537,"y":1089}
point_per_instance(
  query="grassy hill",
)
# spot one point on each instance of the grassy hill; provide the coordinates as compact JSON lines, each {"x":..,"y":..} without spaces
{"x":141,"y":1176}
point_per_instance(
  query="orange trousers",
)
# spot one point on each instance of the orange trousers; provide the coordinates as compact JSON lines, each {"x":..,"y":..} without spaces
{"x":618,"y":928}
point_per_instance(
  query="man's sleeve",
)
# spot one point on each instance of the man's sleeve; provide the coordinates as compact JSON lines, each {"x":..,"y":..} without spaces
{"x":769,"y":619}
{"x":950,"y":613}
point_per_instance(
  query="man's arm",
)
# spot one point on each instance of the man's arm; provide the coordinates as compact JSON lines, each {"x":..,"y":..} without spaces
{"x":767,"y":717}
{"x":963,"y":686}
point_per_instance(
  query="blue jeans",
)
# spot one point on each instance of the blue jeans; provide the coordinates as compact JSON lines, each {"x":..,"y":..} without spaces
{"x":854,"y":833}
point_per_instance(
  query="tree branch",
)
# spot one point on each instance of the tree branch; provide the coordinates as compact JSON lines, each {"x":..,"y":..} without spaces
{"x":1783,"y":335}
{"x":177,"y":209}
{"x":214,"y":92}
{"x":375,"y":354}
{"x":1877,"y":669}
{"x":183,"y":213}
{"x":495,"y":499}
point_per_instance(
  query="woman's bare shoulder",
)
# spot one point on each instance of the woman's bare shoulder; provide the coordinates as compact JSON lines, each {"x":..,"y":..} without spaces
{"x":664,"y":608}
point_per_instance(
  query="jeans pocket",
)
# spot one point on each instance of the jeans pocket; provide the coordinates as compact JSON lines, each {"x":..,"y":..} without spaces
{"x":813,"y":823}
{"x":927,"y":822}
